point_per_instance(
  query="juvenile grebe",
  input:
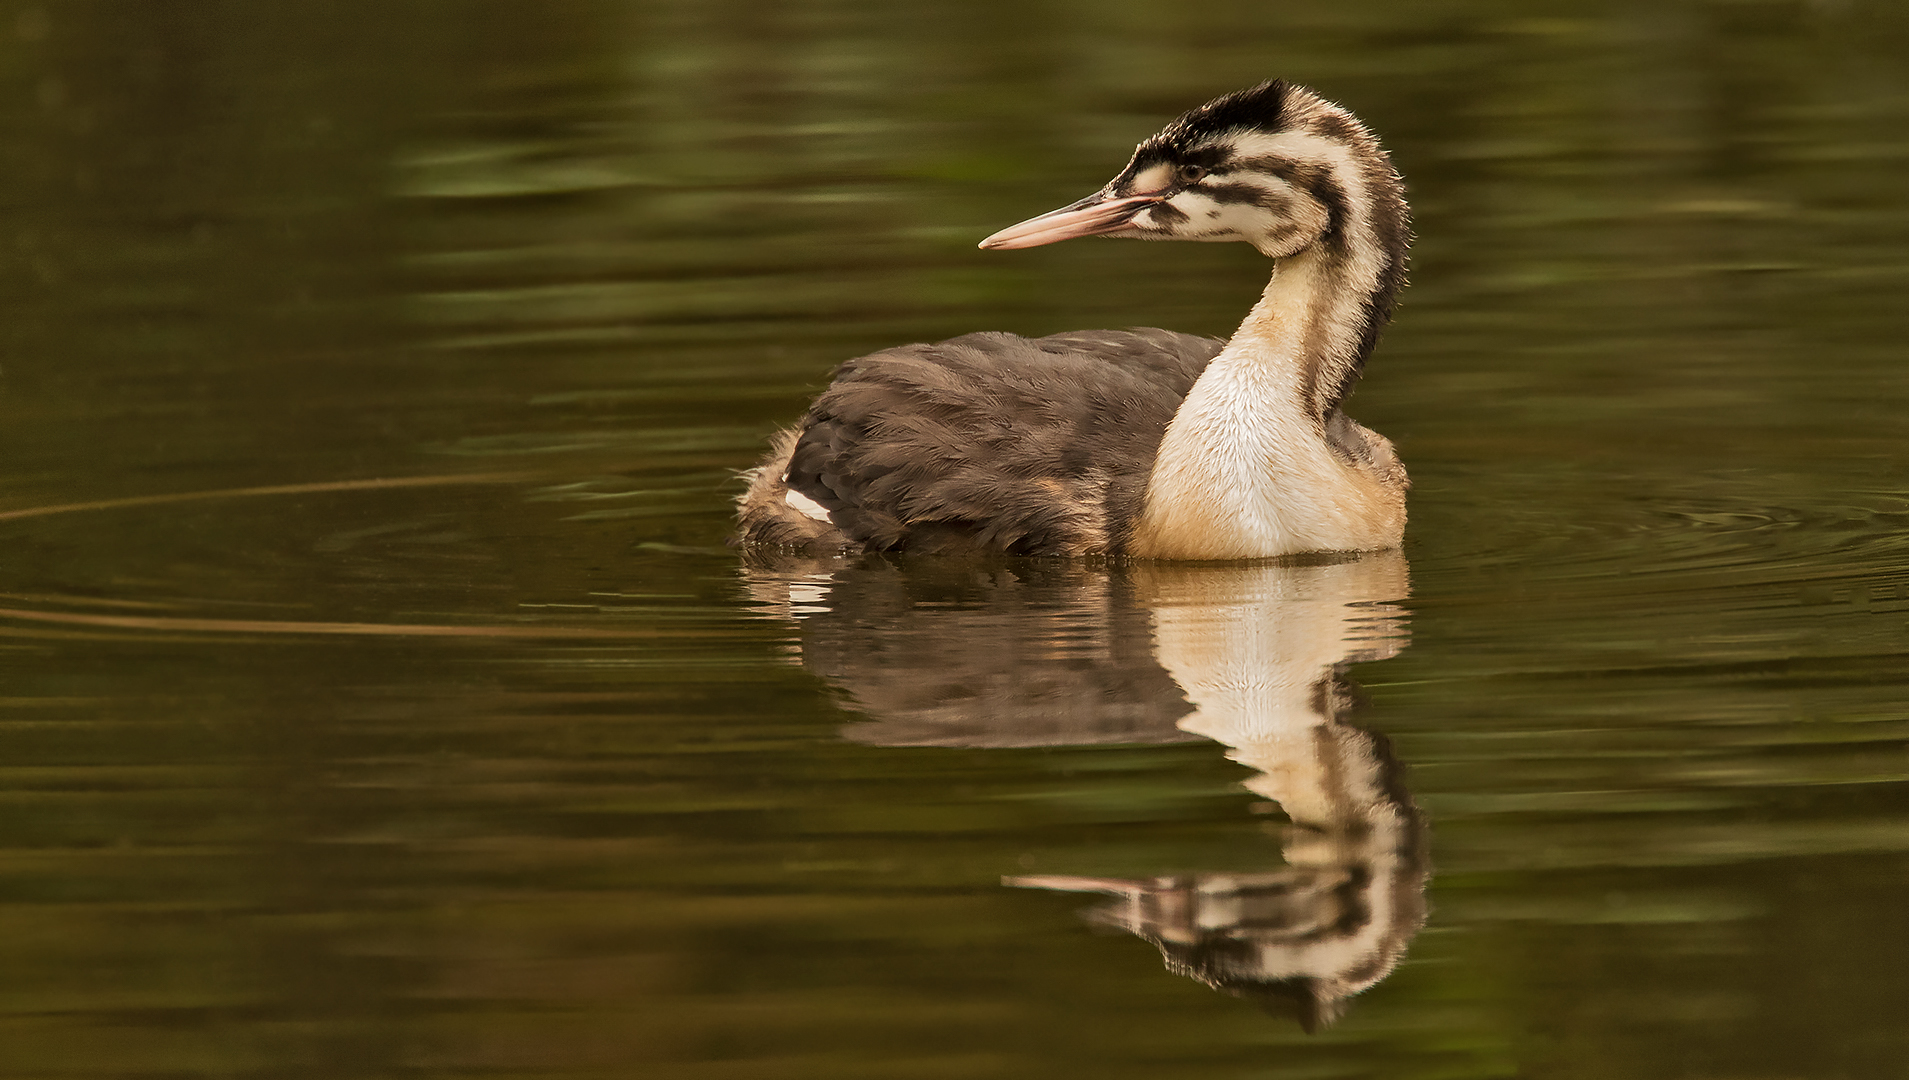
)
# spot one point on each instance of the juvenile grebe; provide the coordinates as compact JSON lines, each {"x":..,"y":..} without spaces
{"x":1139,"y":443}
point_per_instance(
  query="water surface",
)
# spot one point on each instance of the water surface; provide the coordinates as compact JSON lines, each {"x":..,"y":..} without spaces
{"x":379,"y":697}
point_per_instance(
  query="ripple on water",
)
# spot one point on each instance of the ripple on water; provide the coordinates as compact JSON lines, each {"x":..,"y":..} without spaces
{"x":418,"y":557}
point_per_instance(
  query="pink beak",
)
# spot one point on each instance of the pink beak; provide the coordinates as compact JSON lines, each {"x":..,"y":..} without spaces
{"x":1095,"y":215}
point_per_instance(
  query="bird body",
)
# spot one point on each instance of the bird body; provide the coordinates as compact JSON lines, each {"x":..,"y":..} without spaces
{"x":1138,"y":443}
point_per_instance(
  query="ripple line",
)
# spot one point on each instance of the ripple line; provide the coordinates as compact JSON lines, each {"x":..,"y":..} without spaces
{"x":273,"y":489}
{"x":269,"y":626}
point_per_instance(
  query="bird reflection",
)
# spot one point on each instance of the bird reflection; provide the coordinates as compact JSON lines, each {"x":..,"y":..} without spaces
{"x":1251,"y":657}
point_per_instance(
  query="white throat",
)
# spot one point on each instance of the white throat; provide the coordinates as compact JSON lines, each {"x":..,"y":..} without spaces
{"x":1244,"y":470}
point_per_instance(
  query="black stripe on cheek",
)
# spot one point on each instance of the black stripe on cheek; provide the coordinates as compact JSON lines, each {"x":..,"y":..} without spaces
{"x":1333,"y":197}
{"x":1318,"y":182}
{"x":1297,"y":173}
{"x":1249,"y":194}
{"x":1286,"y":233}
{"x":1166,"y":216}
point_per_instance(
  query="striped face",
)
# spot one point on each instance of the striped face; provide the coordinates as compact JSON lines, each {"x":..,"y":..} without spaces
{"x":1244,"y":186}
{"x":1263,"y":189}
{"x":1280,"y":168}
{"x":1275,"y":166}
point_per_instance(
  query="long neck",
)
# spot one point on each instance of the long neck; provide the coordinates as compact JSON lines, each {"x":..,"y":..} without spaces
{"x":1254,"y":463}
{"x":1305,"y":331}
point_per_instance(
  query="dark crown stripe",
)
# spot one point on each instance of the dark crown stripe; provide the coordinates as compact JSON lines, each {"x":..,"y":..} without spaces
{"x":1258,"y":108}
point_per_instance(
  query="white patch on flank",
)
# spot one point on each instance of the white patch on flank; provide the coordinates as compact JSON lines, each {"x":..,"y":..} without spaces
{"x":806,"y":506}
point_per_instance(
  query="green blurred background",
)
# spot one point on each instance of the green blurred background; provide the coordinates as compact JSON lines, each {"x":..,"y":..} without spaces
{"x":504,"y":773}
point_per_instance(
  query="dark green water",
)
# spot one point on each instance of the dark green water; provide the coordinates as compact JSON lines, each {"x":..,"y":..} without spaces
{"x":377,"y":696}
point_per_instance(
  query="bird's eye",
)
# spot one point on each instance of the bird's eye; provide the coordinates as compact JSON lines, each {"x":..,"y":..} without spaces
{"x":1190,"y":174}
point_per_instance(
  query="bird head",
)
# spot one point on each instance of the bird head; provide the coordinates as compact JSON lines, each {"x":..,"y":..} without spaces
{"x":1275,"y":166}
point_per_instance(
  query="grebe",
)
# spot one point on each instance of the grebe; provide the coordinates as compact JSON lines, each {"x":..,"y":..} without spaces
{"x":1138,"y":443}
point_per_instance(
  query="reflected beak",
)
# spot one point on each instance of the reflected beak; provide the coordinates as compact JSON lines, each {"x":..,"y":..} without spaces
{"x":1096,"y":215}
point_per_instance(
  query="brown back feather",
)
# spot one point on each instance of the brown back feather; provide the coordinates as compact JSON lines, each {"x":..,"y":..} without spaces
{"x":1034,"y":446}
